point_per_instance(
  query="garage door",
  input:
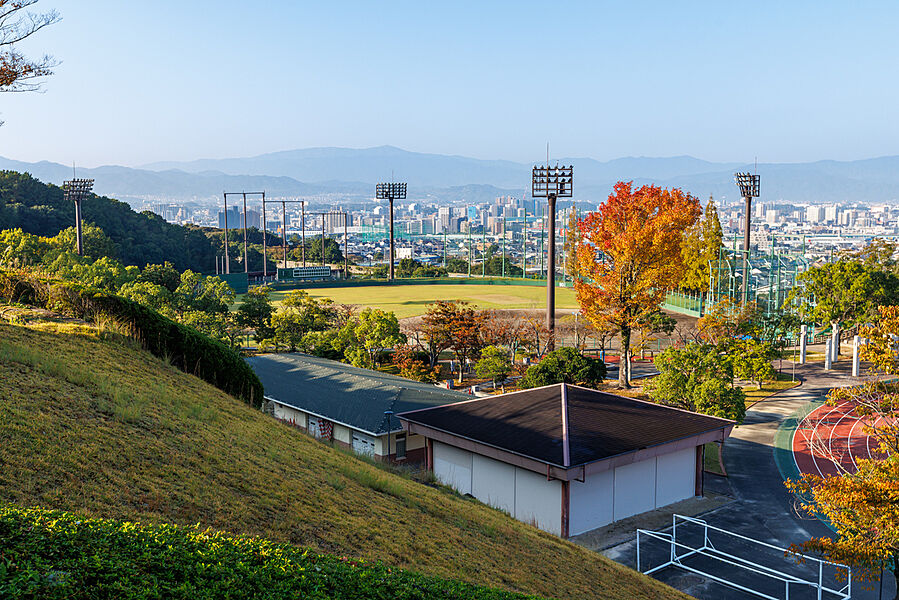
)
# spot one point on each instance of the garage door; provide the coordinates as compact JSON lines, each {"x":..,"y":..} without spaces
{"x":363,"y":444}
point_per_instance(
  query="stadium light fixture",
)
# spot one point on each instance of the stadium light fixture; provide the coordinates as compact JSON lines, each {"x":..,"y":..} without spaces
{"x":75,"y":191}
{"x":391,"y":192}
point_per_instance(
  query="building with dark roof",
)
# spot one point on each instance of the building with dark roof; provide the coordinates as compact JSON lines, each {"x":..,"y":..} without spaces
{"x":347,"y":405}
{"x":566,"y":458}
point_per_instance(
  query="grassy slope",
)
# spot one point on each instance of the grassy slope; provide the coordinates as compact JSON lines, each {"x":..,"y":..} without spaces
{"x":410,"y":300}
{"x":102,"y":428}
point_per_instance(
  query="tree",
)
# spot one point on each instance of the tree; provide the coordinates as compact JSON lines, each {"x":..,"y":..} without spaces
{"x":878,"y":253}
{"x":752,"y":360}
{"x":151,"y":295}
{"x":165,"y":275}
{"x":494,"y":364}
{"x":727,"y":320}
{"x":653,"y":323}
{"x":504,"y":328}
{"x":413,"y":364}
{"x":863,"y":506}
{"x":19,"y":249}
{"x":199,"y":292}
{"x":256,"y":312}
{"x":843,"y":293}
{"x":565,"y":365}
{"x":18,"y":73}
{"x":94,"y":241}
{"x":702,"y":243}
{"x":333,"y":255}
{"x":453,"y":324}
{"x":371,"y":332}
{"x":300,"y":314}
{"x":630,"y":255}
{"x":699,"y":378}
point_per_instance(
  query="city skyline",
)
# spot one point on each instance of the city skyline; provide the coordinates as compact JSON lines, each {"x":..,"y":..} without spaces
{"x":138,"y":84}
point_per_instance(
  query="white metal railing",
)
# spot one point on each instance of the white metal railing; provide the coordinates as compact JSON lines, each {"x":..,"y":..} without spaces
{"x":708,"y":550}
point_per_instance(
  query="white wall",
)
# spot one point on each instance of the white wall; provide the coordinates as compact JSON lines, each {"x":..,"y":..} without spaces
{"x":452,"y":466}
{"x":675,"y":476}
{"x":527,"y":496}
{"x":591,"y":502}
{"x":634,"y":488}
{"x":493,"y":483}
{"x":538,"y":500}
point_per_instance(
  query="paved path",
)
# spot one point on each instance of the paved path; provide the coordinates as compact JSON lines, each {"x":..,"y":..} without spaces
{"x":763,"y":509}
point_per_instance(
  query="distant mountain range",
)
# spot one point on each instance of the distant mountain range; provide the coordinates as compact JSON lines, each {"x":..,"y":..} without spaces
{"x":345,"y":171}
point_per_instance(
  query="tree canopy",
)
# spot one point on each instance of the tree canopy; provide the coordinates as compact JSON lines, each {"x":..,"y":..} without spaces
{"x":17,"y":72}
{"x":565,"y":365}
{"x":630,"y":255}
{"x":702,"y":242}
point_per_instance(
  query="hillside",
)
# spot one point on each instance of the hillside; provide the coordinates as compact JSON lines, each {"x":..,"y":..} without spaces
{"x":93,"y":425}
{"x":140,"y":238}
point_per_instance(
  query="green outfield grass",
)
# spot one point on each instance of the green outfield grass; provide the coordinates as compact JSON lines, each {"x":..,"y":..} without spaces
{"x":410,"y":300}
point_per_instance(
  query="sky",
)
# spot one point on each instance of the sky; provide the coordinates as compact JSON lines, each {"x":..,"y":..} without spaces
{"x":139,"y":82}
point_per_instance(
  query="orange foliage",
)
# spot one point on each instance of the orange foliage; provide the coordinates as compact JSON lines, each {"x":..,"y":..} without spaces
{"x":630,"y":255}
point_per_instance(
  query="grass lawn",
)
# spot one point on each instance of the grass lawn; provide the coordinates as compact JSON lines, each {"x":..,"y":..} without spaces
{"x":410,"y":300}
{"x":103,"y":429}
{"x":784,"y":381}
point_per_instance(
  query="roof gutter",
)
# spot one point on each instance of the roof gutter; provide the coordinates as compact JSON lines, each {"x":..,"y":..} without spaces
{"x":314,"y":414}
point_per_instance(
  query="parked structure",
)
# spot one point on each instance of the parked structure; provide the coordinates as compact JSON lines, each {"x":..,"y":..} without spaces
{"x":347,"y":405}
{"x":566,"y":458}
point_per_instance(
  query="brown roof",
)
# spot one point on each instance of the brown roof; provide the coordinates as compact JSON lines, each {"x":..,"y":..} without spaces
{"x":599,"y":425}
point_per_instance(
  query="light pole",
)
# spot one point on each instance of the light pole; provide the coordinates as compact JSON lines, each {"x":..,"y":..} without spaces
{"x":391,"y":192}
{"x":75,"y":191}
{"x":388,"y":414}
{"x":551,"y":183}
{"x":749,"y":189}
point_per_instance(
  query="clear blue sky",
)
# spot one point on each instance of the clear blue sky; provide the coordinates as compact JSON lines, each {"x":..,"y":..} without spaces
{"x":725,"y":81}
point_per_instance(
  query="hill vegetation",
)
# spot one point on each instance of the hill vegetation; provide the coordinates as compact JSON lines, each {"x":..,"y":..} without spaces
{"x":92,"y":424}
{"x":140,"y":238}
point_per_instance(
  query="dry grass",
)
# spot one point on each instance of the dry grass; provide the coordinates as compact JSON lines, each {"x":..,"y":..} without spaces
{"x":98,"y":426}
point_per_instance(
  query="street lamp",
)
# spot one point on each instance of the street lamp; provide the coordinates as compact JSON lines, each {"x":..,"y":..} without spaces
{"x":391,"y":192}
{"x":749,"y":189}
{"x":388,"y":414}
{"x":551,"y":183}
{"x":75,"y":191}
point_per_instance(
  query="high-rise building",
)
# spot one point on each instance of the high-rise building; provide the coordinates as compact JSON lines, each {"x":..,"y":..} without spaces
{"x":814,"y":214}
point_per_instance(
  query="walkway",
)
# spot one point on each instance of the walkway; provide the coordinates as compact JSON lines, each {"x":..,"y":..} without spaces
{"x":763,"y":509}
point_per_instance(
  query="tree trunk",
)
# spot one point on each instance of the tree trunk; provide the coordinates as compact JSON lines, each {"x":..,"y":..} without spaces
{"x":624,"y":381}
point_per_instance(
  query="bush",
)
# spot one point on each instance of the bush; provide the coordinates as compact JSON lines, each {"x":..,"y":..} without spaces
{"x":56,"y":555}
{"x":565,"y":365}
{"x":698,"y":377}
{"x":184,"y":347}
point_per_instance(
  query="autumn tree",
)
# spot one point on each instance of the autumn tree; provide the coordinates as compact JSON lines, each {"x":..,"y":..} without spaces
{"x":630,"y":255}
{"x":862,"y":505}
{"x":17,"y":72}
{"x":702,"y":242}
{"x":570,"y":246}
{"x":453,"y":324}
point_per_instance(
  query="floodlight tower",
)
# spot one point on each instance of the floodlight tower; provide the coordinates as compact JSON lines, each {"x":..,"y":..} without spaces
{"x":551,"y":183}
{"x":749,"y":189}
{"x":391,"y":192}
{"x":75,"y":191}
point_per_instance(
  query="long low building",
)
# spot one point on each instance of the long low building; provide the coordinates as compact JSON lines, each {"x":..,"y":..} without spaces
{"x":349,"y":406}
{"x":566,"y":458}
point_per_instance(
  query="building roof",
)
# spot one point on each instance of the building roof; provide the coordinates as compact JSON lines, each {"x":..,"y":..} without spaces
{"x":533,"y":423}
{"x":343,"y":393}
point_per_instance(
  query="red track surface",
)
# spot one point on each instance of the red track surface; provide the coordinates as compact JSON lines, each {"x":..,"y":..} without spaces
{"x":841,"y":436}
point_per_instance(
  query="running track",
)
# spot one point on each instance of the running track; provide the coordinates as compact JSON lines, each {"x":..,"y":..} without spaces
{"x":839,"y":441}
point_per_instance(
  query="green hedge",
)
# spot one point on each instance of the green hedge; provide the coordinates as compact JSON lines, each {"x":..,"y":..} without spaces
{"x":54,"y":555}
{"x":183,"y":346}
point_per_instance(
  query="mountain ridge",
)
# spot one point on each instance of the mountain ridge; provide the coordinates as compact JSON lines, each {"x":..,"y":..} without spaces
{"x":325,"y":171}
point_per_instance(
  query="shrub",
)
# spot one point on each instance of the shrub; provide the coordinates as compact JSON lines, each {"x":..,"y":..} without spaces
{"x":56,"y":555}
{"x":565,"y":365}
{"x":187,"y":349}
